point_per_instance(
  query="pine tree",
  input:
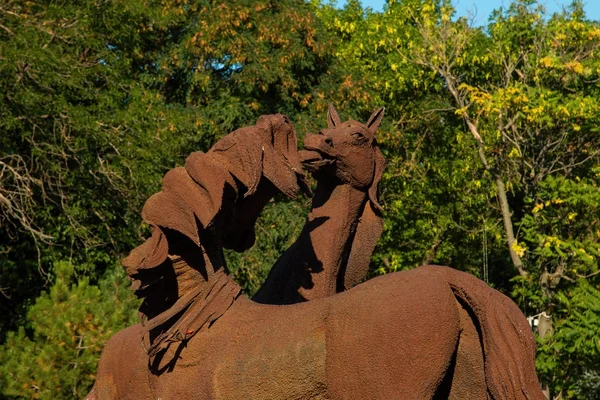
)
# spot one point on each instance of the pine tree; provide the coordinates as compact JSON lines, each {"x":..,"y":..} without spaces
{"x":54,"y":355}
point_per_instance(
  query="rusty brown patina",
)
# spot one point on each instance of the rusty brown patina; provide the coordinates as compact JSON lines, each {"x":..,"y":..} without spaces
{"x":429,"y":333}
{"x":333,"y":250}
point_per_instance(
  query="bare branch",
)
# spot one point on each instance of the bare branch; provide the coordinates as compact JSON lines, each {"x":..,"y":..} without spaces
{"x":17,"y":195}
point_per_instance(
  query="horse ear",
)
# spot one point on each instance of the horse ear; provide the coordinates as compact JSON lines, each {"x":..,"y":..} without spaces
{"x":378,"y":173}
{"x":375,"y":119}
{"x":333,"y":118}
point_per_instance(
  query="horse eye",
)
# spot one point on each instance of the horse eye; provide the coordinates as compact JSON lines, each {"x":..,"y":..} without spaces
{"x":357,"y":135}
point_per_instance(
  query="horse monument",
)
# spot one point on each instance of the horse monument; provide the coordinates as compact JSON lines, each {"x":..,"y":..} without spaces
{"x":313,"y":331}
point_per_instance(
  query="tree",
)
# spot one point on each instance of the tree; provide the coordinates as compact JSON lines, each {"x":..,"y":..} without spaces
{"x":435,"y":197}
{"x":101,"y":99}
{"x":494,"y":137}
{"x":55,"y":354}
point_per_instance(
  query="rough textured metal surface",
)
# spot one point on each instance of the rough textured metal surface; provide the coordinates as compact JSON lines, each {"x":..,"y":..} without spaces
{"x":333,"y":250}
{"x":429,"y":333}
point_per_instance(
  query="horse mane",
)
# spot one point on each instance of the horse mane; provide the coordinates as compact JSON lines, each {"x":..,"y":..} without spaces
{"x":370,"y":225}
{"x":193,"y":196}
{"x":380,"y":162}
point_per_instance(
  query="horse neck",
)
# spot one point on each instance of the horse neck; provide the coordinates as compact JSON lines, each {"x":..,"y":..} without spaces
{"x":340,"y":203}
{"x":330,"y":229}
{"x":201,"y":300}
{"x":187,"y":271}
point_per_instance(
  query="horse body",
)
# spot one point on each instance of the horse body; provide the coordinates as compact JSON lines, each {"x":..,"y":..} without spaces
{"x":400,"y":336}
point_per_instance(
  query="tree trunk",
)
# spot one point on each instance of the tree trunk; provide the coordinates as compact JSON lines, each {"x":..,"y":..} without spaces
{"x":501,"y":189}
{"x":508,"y":227}
{"x":545,"y":329}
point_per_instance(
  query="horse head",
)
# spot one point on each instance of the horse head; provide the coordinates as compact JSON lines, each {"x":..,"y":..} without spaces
{"x":347,"y":152}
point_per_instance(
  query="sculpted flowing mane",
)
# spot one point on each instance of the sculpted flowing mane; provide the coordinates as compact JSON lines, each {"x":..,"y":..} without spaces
{"x":192,"y":196}
{"x":244,"y":169}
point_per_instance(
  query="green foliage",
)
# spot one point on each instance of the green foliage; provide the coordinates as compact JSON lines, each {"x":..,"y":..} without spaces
{"x":467,"y":107}
{"x":101,"y":99}
{"x":559,"y":234}
{"x":93,"y":141}
{"x":436,"y":198}
{"x":277,"y":228}
{"x":570,"y":357}
{"x":55,"y":354}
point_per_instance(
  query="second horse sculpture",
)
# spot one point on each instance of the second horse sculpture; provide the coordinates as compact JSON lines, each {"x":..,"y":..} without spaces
{"x":429,"y":333}
{"x":334,"y":248}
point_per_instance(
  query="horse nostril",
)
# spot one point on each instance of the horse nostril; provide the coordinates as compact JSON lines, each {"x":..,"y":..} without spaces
{"x":327,"y":139}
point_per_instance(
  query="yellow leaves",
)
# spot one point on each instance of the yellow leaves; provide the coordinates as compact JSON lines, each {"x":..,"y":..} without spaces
{"x":594,"y":34}
{"x":476,"y":95}
{"x":513,"y":90}
{"x":461,"y":111}
{"x":546,"y":62}
{"x":576,"y":127}
{"x":574,"y":66}
{"x":551,"y":240}
{"x":428,"y":7}
{"x":572,"y":216}
{"x":533,"y":113}
{"x":540,"y":206}
{"x":520,"y":250}
{"x":564,"y":110}
{"x":514,"y":153}
{"x":344,"y":27}
{"x":305,"y":100}
{"x":464,"y":86}
{"x":555,"y":201}
{"x":560,"y":37}
{"x":575,"y":26}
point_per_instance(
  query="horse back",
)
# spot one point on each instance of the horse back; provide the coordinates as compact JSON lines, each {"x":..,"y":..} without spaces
{"x":391,"y":337}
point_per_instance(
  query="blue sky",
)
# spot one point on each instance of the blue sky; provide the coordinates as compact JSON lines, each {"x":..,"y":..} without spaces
{"x":485,"y":7}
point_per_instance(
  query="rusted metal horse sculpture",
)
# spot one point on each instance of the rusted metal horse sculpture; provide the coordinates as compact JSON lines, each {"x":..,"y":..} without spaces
{"x":333,"y":250}
{"x":427,"y":333}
